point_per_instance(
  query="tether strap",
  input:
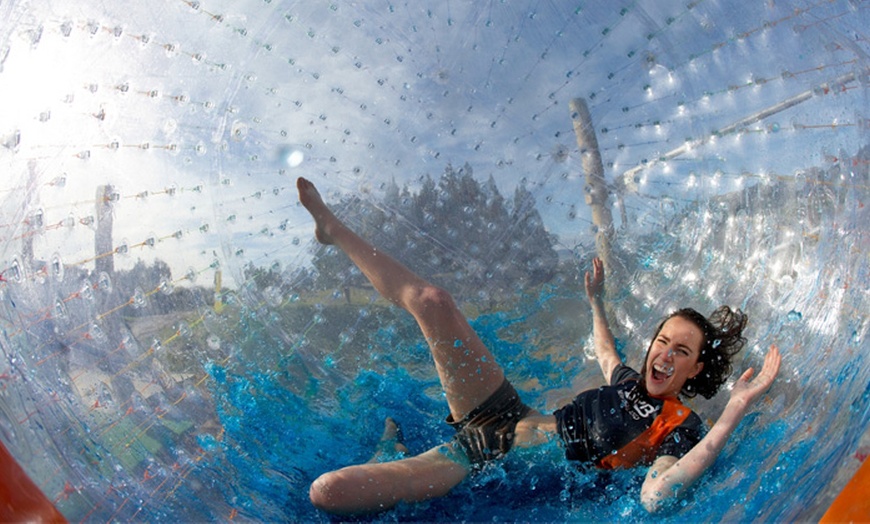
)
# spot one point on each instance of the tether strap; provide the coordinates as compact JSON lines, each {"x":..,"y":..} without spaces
{"x":645,"y":445}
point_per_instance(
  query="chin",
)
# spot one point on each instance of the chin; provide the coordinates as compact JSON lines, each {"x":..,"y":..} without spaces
{"x":659,"y":390}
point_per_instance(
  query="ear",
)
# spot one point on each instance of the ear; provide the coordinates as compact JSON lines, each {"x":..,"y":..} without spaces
{"x":698,"y":368}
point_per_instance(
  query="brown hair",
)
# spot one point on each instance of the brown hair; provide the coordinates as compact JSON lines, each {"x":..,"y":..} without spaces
{"x":723,"y":338}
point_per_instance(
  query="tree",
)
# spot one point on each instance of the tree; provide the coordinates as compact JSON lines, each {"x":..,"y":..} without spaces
{"x":531,"y":247}
{"x":457,"y":232}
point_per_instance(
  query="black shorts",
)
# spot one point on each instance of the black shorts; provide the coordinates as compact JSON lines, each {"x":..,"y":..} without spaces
{"x":487,"y":433}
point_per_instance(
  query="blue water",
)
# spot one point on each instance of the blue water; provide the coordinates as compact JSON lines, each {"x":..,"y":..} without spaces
{"x":770,"y":470}
{"x":274,"y":447}
{"x":148,"y":154}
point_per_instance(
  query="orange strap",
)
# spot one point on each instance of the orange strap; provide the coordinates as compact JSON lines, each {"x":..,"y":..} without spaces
{"x":20,"y":499}
{"x":644,"y":446}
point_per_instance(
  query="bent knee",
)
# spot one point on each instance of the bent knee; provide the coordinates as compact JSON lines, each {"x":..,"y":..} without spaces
{"x":346,"y":492}
{"x":431,"y":298}
{"x":325,"y":492}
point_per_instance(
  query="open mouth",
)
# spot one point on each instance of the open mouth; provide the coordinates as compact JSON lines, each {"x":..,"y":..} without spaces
{"x":662,"y":372}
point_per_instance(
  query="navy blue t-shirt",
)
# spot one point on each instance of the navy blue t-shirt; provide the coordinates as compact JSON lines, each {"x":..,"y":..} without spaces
{"x":600,"y":421}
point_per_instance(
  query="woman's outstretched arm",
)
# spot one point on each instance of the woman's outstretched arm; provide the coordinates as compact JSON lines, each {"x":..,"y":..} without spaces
{"x":602,"y":337}
{"x":669,"y":476}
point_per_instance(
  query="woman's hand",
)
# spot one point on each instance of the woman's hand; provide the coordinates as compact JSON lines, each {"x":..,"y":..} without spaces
{"x":747,"y":391}
{"x":602,"y":337}
{"x":595,"y":281}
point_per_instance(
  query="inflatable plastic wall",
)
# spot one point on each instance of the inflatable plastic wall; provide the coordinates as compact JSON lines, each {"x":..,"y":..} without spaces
{"x":177,"y":347}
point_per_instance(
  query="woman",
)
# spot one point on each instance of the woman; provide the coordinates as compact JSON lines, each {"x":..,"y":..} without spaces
{"x":689,"y":354}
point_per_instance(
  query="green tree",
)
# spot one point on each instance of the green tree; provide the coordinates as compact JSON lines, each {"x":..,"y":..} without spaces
{"x":457,"y":232}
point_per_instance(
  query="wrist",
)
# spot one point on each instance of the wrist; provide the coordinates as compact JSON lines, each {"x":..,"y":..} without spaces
{"x":736,"y":407}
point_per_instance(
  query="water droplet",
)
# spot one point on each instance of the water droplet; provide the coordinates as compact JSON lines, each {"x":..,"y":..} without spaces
{"x":167,"y":287}
{"x":57,"y":269}
{"x":139,"y":299}
{"x":104,"y":283}
{"x":60,"y":310}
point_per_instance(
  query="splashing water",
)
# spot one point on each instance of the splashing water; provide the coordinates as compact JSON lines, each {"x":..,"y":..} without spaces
{"x":166,"y":355}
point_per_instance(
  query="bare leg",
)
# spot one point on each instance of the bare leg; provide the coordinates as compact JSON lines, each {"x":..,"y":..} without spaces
{"x":468,"y":371}
{"x":390,"y":443}
{"x":376,"y":487}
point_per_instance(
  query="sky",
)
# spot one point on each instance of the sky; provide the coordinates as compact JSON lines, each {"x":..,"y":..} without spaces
{"x":189,"y":110}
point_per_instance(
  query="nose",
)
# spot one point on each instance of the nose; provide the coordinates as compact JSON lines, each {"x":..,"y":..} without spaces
{"x":670,"y":354}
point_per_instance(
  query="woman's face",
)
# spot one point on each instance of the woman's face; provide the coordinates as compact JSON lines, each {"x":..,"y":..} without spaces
{"x":673,"y":357}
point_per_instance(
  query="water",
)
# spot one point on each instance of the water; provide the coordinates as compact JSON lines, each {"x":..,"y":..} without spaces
{"x":165,"y":357}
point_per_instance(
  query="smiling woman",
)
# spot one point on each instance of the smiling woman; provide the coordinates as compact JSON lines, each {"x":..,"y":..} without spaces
{"x":174,"y":345}
{"x":624,"y":425}
{"x":673,"y":357}
{"x":718,"y":339}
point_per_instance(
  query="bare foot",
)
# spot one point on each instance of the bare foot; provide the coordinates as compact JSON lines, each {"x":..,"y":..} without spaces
{"x":324,"y":220}
{"x":390,"y":446}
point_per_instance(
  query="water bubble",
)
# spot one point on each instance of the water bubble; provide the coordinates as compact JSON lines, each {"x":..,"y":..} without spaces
{"x":238,"y":131}
{"x":166,"y":286}
{"x":87,"y":290}
{"x":104,"y":282}
{"x":139,"y":298}
{"x":57,"y":269}
{"x":60,"y":310}
{"x":794,"y":316}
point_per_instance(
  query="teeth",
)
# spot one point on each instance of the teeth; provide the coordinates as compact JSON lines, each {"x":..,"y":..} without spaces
{"x":667,"y":370}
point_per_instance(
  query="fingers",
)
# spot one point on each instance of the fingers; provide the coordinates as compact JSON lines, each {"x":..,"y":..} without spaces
{"x":771,"y":363}
{"x":594,"y":279}
{"x":598,"y":267}
{"x":768,"y":371}
{"x":749,"y":389}
{"x":597,"y":274}
{"x":773,"y":356}
{"x":746,"y":375}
